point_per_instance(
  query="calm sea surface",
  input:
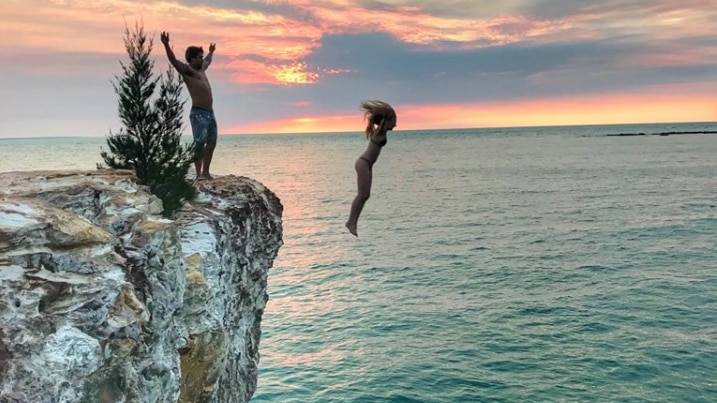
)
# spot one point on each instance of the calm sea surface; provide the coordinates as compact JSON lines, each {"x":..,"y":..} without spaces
{"x":498,"y":265}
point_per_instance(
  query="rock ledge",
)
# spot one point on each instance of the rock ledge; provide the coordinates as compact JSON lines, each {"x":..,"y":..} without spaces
{"x":103,"y":300}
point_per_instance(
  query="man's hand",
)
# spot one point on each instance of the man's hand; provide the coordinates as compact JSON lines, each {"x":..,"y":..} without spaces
{"x":181,"y":67}
{"x":212,"y":47}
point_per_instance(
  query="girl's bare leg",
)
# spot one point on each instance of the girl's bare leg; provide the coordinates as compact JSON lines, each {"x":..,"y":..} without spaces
{"x":363,"y":180}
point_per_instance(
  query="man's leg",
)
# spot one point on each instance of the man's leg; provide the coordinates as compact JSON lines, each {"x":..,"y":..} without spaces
{"x":198,"y":167}
{"x":207,"y":159}
{"x":199,"y":133}
{"x":209,"y":147}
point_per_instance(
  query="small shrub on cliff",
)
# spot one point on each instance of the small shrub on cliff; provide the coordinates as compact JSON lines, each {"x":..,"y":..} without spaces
{"x":150,"y":140}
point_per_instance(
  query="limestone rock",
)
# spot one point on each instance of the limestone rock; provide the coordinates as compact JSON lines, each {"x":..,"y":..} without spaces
{"x":103,"y":300}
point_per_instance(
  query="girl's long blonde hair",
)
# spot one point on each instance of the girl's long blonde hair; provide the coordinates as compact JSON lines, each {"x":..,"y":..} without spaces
{"x":375,"y":111}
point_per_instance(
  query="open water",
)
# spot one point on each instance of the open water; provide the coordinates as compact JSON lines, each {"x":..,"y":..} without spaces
{"x":553,"y":264}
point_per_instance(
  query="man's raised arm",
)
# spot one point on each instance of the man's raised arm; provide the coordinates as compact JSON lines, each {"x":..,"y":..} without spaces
{"x":181,"y":67}
{"x":208,"y":58}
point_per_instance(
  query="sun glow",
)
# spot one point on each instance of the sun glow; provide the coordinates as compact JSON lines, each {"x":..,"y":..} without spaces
{"x":663,"y":104}
{"x":295,"y":73}
{"x":270,"y":51}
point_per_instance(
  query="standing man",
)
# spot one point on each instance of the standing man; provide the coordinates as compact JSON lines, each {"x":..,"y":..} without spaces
{"x":204,"y":124}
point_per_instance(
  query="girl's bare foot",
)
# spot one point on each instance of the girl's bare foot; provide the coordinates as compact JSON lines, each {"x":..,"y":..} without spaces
{"x":352,"y":228}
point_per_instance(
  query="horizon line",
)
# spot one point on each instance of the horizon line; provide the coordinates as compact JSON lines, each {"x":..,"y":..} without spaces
{"x":407,"y":130}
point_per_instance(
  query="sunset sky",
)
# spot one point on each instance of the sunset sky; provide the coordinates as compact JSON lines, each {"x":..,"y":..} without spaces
{"x":304,"y":65}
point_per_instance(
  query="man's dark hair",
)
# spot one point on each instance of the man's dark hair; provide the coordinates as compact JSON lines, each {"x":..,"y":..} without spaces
{"x":192,"y":52}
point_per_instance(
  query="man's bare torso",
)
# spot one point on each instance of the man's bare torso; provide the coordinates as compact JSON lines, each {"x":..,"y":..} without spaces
{"x":199,"y":89}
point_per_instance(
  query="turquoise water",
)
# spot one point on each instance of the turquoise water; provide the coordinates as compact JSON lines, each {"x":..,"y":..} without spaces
{"x":502,"y":265}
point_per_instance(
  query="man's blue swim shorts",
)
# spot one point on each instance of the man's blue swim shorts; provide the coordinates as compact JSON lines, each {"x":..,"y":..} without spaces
{"x":204,"y":125}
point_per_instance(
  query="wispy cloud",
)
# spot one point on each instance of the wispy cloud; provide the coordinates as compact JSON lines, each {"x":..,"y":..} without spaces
{"x":309,"y":59}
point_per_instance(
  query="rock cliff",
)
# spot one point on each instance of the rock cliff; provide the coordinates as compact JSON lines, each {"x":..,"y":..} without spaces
{"x":103,"y":300}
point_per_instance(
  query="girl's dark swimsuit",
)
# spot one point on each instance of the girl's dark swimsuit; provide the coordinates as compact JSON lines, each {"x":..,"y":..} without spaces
{"x":379,"y":144}
{"x":369,"y":162}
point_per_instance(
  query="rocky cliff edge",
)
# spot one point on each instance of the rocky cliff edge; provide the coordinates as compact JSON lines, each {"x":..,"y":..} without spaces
{"x":103,"y":300}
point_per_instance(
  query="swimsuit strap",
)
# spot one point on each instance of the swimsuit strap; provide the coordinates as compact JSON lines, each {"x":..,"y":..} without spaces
{"x":381,"y":143}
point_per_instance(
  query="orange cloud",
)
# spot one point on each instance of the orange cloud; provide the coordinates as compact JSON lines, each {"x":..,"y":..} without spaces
{"x":267,"y":49}
{"x":294,"y":73}
{"x":662,"y":104}
{"x":301,"y":103}
{"x":275,"y":43}
{"x":97,"y":26}
{"x":301,"y":124}
{"x":669,"y":103}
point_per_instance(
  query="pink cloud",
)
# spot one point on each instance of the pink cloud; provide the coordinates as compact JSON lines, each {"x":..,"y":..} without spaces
{"x":280,"y":42}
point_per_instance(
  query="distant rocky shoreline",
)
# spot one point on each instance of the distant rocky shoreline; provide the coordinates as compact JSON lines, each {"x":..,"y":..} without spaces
{"x":661,"y":133}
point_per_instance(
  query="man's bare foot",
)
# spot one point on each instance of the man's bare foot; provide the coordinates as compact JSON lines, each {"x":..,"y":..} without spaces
{"x":352,"y":228}
{"x":206,"y":177}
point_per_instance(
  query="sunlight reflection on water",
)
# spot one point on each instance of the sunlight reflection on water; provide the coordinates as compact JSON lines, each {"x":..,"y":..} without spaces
{"x":491,"y":266}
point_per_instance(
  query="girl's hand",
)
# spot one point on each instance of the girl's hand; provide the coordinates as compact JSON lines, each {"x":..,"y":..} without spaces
{"x":381,"y":128}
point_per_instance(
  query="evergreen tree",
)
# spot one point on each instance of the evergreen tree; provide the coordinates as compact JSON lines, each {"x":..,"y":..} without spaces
{"x":150,"y":140}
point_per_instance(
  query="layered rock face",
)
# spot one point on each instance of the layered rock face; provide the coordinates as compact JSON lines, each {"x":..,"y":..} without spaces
{"x":103,"y":300}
